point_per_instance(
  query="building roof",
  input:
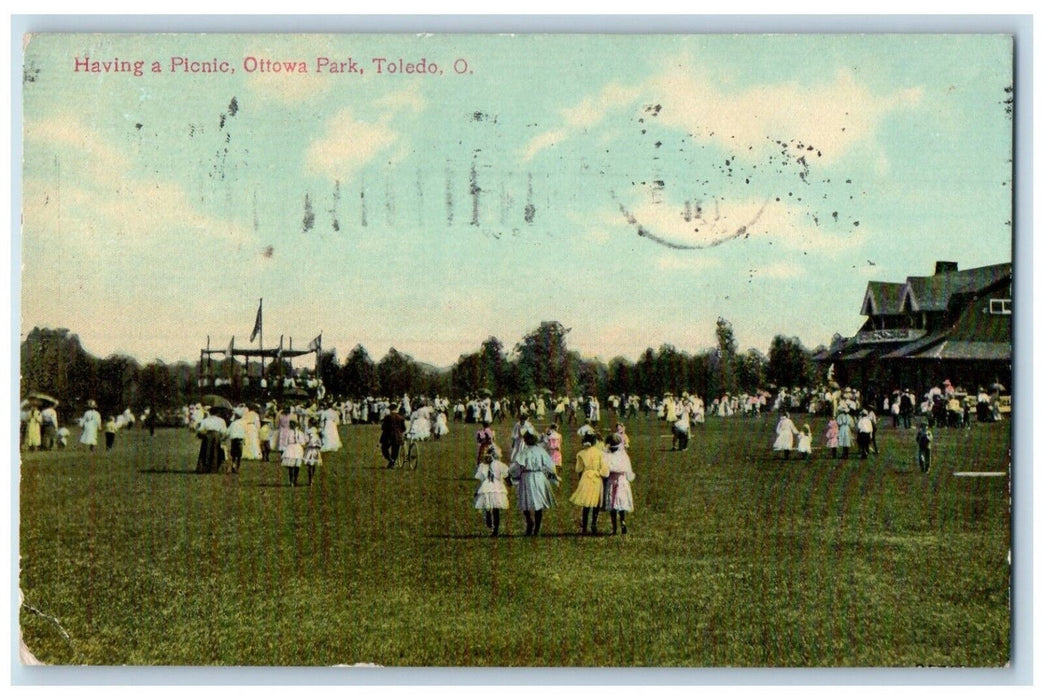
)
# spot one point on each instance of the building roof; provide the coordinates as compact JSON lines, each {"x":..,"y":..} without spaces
{"x":967,"y":350}
{"x":912,"y":349}
{"x":934,"y":293}
{"x":883,"y":299}
{"x":975,"y":334}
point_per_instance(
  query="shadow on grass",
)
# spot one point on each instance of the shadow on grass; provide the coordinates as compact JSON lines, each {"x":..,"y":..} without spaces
{"x":170,"y":471}
{"x":519,"y":536}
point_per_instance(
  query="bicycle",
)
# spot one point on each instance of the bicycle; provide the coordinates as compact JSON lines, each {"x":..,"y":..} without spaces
{"x":408,"y":457}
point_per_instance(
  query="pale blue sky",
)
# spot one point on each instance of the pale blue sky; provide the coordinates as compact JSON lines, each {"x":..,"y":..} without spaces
{"x":147,"y":239}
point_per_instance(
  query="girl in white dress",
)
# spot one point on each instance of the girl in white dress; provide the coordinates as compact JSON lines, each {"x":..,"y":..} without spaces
{"x":313,"y":457}
{"x":441,"y":426}
{"x":293,"y":451}
{"x":804,"y":442}
{"x":618,"y":497}
{"x":491,"y":495}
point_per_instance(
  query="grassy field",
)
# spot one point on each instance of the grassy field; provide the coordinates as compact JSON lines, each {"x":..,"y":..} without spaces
{"x":733,"y":558}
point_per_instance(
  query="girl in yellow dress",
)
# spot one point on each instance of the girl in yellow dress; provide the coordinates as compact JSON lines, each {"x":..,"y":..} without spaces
{"x":592,"y":466}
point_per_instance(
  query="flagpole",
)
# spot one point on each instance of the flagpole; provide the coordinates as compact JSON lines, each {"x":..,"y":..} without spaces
{"x":318,"y":353}
{"x":261,"y":335}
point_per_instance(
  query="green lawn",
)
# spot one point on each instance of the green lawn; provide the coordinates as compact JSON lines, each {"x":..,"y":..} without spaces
{"x":734,"y":558}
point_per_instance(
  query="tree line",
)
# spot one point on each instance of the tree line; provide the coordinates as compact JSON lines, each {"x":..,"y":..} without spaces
{"x":53,"y":361}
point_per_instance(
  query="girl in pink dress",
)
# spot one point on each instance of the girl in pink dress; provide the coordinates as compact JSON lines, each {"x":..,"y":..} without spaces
{"x":283,"y":427}
{"x":832,"y":433}
{"x":553,"y":444}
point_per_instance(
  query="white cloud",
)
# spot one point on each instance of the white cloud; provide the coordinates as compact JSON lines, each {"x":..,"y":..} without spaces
{"x":592,"y":110}
{"x":687,"y":261}
{"x":348,"y":145}
{"x":82,"y":145}
{"x":408,"y":99}
{"x":99,"y":237}
{"x":779,"y":271}
{"x":288,"y":88}
{"x":587,"y":113}
{"x":597,"y":235}
{"x":542,"y":141}
{"x":831,"y":117}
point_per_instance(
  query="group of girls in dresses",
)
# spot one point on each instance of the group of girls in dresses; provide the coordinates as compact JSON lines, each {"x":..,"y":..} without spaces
{"x":604,"y":483}
{"x":299,"y":449}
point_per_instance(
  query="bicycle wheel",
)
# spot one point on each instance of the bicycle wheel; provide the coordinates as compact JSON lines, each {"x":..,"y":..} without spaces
{"x":412,"y":456}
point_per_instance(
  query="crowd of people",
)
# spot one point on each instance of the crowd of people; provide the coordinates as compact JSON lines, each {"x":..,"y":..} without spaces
{"x":534,"y":468}
{"x":853,"y":421}
{"x":300,"y":433}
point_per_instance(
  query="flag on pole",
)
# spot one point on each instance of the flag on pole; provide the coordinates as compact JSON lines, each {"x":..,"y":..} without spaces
{"x":257,"y":322}
{"x":316,"y":342}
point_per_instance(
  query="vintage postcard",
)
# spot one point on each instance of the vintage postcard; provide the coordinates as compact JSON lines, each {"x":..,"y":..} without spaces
{"x":533,"y":350}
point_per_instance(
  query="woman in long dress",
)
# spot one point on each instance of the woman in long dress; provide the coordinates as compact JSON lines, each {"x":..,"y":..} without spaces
{"x":785,"y":433}
{"x":252,"y":433}
{"x":420,"y":424}
{"x":331,"y":438}
{"x":33,"y":433}
{"x":845,"y":426}
{"x":91,"y":423}
{"x":533,"y":473}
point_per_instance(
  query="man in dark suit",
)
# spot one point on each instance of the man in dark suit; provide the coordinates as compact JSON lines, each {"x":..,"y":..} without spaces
{"x":393,"y":429}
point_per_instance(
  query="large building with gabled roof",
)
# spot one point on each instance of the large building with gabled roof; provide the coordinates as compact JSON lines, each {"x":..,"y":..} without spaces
{"x":954,"y":324}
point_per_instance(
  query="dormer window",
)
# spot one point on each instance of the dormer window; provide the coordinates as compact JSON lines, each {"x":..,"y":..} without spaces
{"x":1000,"y":307}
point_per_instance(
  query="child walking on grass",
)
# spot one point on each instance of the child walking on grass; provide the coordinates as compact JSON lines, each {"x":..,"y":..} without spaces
{"x":619,"y":500}
{"x":832,"y":432}
{"x":491,"y":495}
{"x":924,"y":448}
{"x":592,"y":467}
{"x":264,"y":436}
{"x":313,"y":453}
{"x":804,"y":442}
{"x":294,"y":441}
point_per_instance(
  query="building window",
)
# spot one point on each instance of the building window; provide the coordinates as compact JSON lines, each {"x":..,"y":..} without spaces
{"x":1000,"y":306}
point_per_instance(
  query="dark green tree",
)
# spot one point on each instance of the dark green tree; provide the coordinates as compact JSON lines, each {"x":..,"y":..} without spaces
{"x":726,"y":356}
{"x":789,"y":363}
{"x":466,"y":375}
{"x":543,"y":360}
{"x":360,"y":374}
{"x":330,"y":372}
{"x":397,"y":373}
{"x":751,"y":369}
